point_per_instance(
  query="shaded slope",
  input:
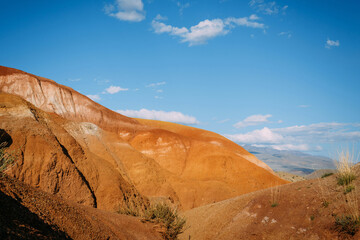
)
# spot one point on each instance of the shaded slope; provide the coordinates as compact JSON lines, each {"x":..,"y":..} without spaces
{"x":27,"y":213}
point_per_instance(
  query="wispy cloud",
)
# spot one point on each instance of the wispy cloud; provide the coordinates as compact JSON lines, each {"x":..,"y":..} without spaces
{"x":74,"y":79}
{"x":205,"y":30}
{"x":224,"y":120}
{"x":156,"y":84}
{"x":171,"y":116}
{"x":182,"y":7}
{"x":304,"y":106}
{"x":287,"y":34}
{"x":94,"y":97}
{"x":253,"y":120}
{"x":268,"y":8}
{"x":290,"y":138}
{"x":126,"y":10}
{"x":259,"y":136}
{"x":115,"y":89}
{"x":331,"y":43}
{"x":254,"y":17}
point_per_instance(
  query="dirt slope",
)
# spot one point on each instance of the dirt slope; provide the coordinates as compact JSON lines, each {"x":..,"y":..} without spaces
{"x":49,"y":158}
{"x":305,"y":210}
{"x":26,"y":213}
{"x":189,"y":166}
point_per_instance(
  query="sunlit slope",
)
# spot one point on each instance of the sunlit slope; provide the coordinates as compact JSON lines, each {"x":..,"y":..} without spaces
{"x":189,"y":166}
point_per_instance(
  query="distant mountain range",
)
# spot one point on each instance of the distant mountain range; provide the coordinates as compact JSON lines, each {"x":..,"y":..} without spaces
{"x":291,"y":161}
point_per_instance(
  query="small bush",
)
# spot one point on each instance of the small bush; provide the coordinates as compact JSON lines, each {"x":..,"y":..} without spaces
{"x":347,"y":224}
{"x":345,"y":178}
{"x":344,"y":166}
{"x":163,"y":214}
{"x":275,"y":204}
{"x":6,"y":158}
{"x":325,"y":204}
{"x":326,"y":175}
{"x":348,"y":189}
{"x":132,"y":211}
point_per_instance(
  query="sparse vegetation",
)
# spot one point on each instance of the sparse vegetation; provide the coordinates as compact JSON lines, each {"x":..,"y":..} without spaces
{"x":348,"y":189}
{"x":6,"y":158}
{"x":326,"y":175}
{"x":312,"y":217}
{"x":171,"y":223}
{"x":344,"y":166}
{"x":325,"y":204}
{"x":169,"y":218}
{"x":275,"y":196}
{"x":132,"y":211}
{"x":347,"y":224}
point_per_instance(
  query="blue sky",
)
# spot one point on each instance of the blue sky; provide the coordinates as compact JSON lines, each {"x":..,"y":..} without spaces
{"x":283,"y":74}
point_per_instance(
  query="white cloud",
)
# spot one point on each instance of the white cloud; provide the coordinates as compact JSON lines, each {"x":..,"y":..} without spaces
{"x":172,"y":116}
{"x":301,"y":137}
{"x":205,"y":30}
{"x":94,"y":97}
{"x":161,"y":18}
{"x":264,"y":135}
{"x":331,"y":43}
{"x":287,"y":34}
{"x":253,"y":17}
{"x":126,"y":10}
{"x":115,"y":89}
{"x":156,"y":84}
{"x":268,"y":8}
{"x":245,"y":22}
{"x":253,"y":120}
{"x":182,"y":7}
{"x":291,"y":147}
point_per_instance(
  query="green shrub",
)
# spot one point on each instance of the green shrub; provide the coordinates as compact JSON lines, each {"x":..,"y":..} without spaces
{"x":326,"y":175}
{"x":347,"y":224}
{"x":163,"y":214}
{"x":275,"y":204}
{"x":348,"y":189}
{"x":345,"y":178}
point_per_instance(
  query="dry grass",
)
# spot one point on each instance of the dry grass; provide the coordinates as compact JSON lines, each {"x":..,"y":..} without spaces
{"x":170,"y":224}
{"x":344,"y":165}
{"x":349,"y":222}
{"x":169,"y":218}
{"x":6,"y":158}
{"x":275,"y":196}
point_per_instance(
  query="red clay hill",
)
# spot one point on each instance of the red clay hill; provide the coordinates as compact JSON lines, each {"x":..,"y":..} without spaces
{"x":70,"y":146}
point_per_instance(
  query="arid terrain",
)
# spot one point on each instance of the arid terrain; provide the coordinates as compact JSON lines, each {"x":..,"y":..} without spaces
{"x":78,"y":163}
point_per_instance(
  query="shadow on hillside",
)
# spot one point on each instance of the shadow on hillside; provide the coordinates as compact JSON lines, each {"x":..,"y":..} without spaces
{"x":18,"y":222}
